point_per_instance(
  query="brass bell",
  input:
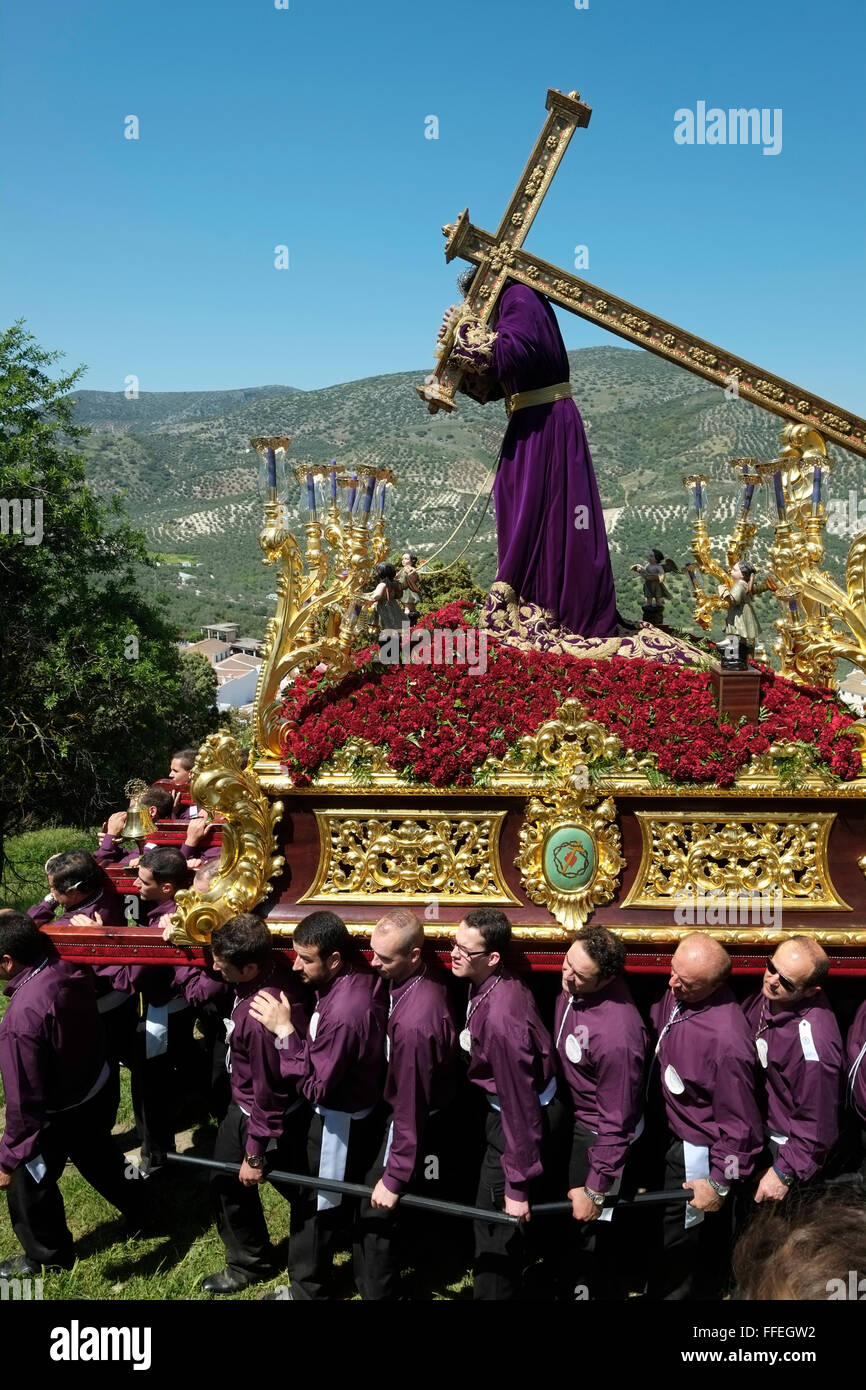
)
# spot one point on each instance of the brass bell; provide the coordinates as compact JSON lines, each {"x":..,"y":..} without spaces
{"x":138,"y":822}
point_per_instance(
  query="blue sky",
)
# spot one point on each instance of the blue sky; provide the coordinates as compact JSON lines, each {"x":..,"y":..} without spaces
{"x":305,"y":126}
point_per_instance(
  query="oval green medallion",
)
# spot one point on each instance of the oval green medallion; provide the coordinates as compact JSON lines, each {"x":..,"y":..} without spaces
{"x":568,"y":858}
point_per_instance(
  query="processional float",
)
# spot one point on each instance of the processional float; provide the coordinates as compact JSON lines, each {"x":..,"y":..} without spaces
{"x":555,"y":836}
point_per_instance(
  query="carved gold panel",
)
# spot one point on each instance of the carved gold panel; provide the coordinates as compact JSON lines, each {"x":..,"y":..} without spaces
{"x":701,"y":856}
{"x":405,"y":856}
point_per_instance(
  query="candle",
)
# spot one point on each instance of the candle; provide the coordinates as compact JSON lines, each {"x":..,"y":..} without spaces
{"x":816,"y":489}
{"x":699,"y":501}
{"x":748,"y":493}
{"x":333,"y":480}
{"x":368,"y":493}
{"x":272,"y":468}
{"x":353,"y":488}
{"x":780,"y":493}
{"x":311,"y":495}
{"x":382,"y":490}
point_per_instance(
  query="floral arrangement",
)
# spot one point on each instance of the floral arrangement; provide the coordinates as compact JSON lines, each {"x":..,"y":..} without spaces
{"x":440,"y":723}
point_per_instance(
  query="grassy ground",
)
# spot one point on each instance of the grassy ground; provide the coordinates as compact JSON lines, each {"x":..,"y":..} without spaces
{"x":172,"y":1265}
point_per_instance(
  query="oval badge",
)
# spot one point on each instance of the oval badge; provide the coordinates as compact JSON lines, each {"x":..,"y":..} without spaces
{"x":569,"y":858}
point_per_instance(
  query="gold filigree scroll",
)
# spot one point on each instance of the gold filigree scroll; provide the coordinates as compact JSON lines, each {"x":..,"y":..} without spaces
{"x":580,"y":825}
{"x":409,"y":856}
{"x":759,"y":858}
{"x":501,"y":256}
{"x":249,"y":859}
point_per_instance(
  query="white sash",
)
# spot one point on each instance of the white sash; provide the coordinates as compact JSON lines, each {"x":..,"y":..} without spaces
{"x":156,"y":1026}
{"x":336,"y":1127}
{"x":697,"y":1158}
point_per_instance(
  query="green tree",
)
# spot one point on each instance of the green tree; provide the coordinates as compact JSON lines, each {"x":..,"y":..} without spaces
{"x":91,"y":690}
{"x":198,"y":683}
{"x":443,"y":584}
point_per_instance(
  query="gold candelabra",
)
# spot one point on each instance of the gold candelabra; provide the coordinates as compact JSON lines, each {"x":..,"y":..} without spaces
{"x":820,"y":623}
{"x":319,"y":594}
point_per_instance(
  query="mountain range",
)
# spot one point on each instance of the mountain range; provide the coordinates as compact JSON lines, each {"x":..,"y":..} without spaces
{"x":183,"y":464}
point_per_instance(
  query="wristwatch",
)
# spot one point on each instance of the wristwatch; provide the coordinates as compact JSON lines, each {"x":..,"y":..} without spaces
{"x":597,"y":1198}
{"x":786,"y":1178}
{"x":256,"y":1161}
{"x":718,"y":1187}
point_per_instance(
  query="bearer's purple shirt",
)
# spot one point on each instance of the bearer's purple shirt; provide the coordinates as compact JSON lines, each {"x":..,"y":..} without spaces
{"x":51,"y":1051}
{"x":512,"y":1058}
{"x":106,"y":902}
{"x":711,"y":1050}
{"x":607,"y":1081}
{"x":854,"y":1046}
{"x":800,"y":1097}
{"x":258,"y":1084}
{"x":342,"y":1068}
{"x":421,"y":1068}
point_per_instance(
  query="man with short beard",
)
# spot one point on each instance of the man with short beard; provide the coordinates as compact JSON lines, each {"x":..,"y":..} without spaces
{"x":799,"y":1047}
{"x":421,"y":1049}
{"x":339,"y":1066}
{"x":601,"y":1043}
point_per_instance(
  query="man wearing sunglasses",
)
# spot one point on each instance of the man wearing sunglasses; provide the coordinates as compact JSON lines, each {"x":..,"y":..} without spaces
{"x":512,"y":1061}
{"x":799,"y":1049}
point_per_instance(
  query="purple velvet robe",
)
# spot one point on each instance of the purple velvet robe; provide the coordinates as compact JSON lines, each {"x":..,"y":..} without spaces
{"x":801,"y":1092}
{"x":607,"y":1078}
{"x":711,"y":1053}
{"x":51,"y":1051}
{"x":550,"y":552}
{"x":856,"y":1044}
{"x":258,"y":1085}
{"x":422,"y":1067}
{"x":343,"y":1066}
{"x":512,"y":1058}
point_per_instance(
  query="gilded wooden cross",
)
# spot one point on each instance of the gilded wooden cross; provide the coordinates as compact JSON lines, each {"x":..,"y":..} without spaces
{"x":501,"y":258}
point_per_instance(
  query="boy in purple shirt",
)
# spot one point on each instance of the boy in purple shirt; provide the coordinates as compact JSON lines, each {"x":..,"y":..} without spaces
{"x":421,"y":1050}
{"x":339,"y":1066}
{"x":55,"y":1078}
{"x":704,"y":1063}
{"x":799,"y":1047}
{"x":512,"y":1060}
{"x":266,"y":1122}
{"x":601,"y":1044}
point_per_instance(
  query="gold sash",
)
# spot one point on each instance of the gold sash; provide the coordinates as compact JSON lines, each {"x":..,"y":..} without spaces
{"x":543,"y":396}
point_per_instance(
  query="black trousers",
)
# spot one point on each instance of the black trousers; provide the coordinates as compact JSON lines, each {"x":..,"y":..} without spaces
{"x":316,"y":1234}
{"x":695,"y":1262}
{"x":240,"y":1220}
{"x":592,"y":1257}
{"x":504,"y":1254}
{"x":36,"y":1208}
{"x":382,"y":1238}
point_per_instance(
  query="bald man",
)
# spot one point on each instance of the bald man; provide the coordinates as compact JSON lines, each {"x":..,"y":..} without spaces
{"x":799,"y":1048}
{"x":704,"y":1065}
{"x":421,"y":1049}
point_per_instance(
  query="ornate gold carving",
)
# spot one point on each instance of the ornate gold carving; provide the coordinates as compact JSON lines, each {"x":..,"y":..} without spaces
{"x":590,"y":825}
{"x":707,"y":359}
{"x":769,"y":388}
{"x":318,"y":603}
{"x":248,"y":861}
{"x":409,"y":856}
{"x":704,"y":858}
{"x":636,"y":322}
